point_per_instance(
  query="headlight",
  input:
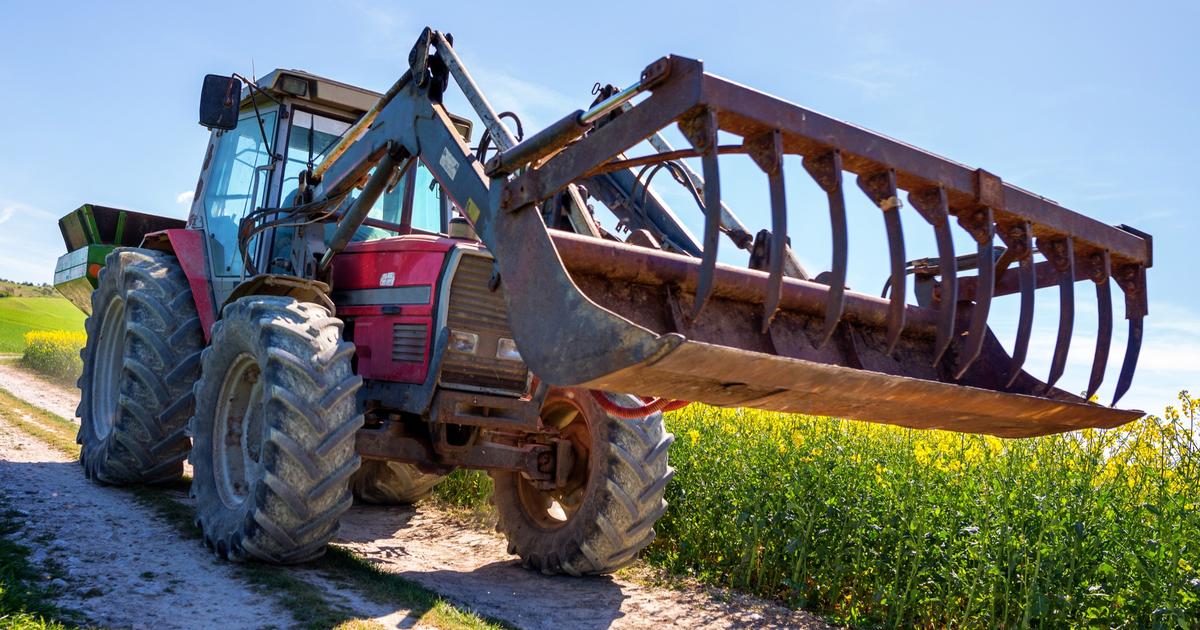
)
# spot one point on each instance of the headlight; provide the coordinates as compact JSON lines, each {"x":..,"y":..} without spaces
{"x":464,"y":342}
{"x":507,"y":349}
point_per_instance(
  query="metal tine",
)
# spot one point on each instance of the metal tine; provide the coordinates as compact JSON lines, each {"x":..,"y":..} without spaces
{"x":933,"y":205}
{"x":1019,"y":239}
{"x":881,"y":188}
{"x":1060,"y":253}
{"x":1132,"y":349}
{"x":767,"y":151}
{"x":701,"y":131}
{"x":1132,"y":280}
{"x":979,"y":223}
{"x":826,"y":169}
{"x":1100,"y":271}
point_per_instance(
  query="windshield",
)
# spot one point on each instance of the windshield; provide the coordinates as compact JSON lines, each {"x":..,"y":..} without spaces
{"x":311,"y":136}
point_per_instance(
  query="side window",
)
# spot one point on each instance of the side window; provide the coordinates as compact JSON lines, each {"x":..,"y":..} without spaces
{"x":427,"y":203}
{"x":236,"y":186}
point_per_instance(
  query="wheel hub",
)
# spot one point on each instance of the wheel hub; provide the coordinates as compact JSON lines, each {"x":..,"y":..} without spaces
{"x":238,"y":431}
{"x":555,"y":507}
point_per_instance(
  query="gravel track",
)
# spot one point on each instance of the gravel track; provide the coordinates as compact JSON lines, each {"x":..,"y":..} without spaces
{"x":109,"y":552}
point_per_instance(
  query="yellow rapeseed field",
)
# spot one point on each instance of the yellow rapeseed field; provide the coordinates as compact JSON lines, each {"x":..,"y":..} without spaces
{"x":54,"y":353}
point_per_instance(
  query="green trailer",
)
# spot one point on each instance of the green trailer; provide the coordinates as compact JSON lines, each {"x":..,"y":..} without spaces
{"x":90,"y":233}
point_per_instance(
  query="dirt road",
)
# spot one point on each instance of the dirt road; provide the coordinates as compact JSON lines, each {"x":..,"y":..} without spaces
{"x":125,"y":567}
{"x":56,"y":399}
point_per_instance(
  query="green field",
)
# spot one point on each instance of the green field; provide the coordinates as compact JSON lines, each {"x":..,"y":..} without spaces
{"x":19,"y":315}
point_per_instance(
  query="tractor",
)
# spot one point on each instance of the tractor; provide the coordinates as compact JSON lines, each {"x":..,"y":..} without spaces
{"x":360,"y":301}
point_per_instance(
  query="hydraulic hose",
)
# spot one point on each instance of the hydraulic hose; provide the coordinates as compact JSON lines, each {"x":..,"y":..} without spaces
{"x":652,"y":405}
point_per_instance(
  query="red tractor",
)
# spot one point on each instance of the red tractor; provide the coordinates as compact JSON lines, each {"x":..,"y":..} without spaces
{"x":360,"y":302}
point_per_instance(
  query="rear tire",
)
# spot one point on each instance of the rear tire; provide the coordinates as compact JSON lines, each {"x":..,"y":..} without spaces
{"x":141,"y":359}
{"x":607,"y":512}
{"x":273,"y":433}
{"x":392,"y":483}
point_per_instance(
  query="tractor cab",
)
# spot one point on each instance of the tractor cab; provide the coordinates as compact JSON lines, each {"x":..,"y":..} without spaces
{"x":285,"y":123}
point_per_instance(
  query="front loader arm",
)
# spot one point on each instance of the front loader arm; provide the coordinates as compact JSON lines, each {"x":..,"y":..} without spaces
{"x":589,"y":312}
{"x":579,"y":346}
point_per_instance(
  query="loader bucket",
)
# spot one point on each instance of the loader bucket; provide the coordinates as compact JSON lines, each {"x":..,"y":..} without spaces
{"x":632,"y":318}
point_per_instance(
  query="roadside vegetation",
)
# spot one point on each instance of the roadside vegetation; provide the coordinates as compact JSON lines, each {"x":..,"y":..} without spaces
{"x":878,"y":526}
{"x":54,"y":353}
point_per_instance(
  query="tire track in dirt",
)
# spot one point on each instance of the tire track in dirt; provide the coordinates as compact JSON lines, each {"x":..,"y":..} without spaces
{"x":468,"y":566}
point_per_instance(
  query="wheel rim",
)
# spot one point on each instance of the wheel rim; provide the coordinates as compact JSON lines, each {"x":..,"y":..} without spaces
{"x":106,"y":376}
{"x":552,"y":509}
{"x":237,"y":431}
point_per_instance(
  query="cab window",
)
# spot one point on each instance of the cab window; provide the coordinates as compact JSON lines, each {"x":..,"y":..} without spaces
{"x":310,"y":138}
{"x":236,"y":185}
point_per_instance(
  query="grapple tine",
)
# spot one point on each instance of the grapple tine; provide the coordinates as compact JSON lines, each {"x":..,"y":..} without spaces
{"x":1132,"y":348}
{"x":826,"y":169}
{"x":881,"y":188}
{"x":1019,"y":239}
{"x":1028,"y":279}
{"x":767,"y":151}
{"x":701,"y":132}
{"x":1132,"y":280}
{"x":1060,"y":253}
{"x":933,"y":205}
{"x":979,"y":223}
{"x":1105,"y":321}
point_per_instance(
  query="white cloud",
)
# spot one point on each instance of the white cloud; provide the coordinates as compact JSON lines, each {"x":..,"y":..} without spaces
{"x":6,"y":213}
{"x":184,"y":197}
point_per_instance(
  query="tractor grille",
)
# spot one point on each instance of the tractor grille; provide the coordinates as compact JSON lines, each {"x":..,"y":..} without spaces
{"x":408,"y":342}
{"x":475,"y":309}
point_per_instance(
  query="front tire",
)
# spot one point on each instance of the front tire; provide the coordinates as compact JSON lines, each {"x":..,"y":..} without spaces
{"x":273,"y":433}
{"x":141,"y":359}
{"x":606,"y":514}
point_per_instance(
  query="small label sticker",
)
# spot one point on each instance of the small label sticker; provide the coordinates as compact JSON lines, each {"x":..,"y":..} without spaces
{"x":472,"y":210}
{"x":388,"y":279}
{"x":448,"y":163}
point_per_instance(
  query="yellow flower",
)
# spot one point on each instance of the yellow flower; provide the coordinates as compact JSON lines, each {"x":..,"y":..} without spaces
{"x":695,"y":435}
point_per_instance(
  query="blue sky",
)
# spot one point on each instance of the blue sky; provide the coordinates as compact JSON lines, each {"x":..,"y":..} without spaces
{"x":1092,"y":104}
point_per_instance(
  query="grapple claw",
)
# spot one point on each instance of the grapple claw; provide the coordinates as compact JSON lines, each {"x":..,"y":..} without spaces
{"x":979,"y":223}
{"x":881,"y":188}
{"x":1019,"y":240}
{"x":764,"y":339}
{"x":1133,"y":348}
{"x":1060,"y":253}
{"x":1098,"y":267}
{"x":1132,"y":280}
{"x":701,"y":131}
{"x":826,"y":169}
{"x":767,"y":151}
{"x":933,"y":205}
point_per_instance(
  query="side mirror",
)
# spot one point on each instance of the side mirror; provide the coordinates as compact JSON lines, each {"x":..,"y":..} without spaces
{"x":219,"y":101}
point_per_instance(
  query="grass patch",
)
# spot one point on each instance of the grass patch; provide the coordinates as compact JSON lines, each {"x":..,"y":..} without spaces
{"x":39,"y":423}
{"x":19,"y":315}
{"x":24,"y":603}
{"x":309,"y":602}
